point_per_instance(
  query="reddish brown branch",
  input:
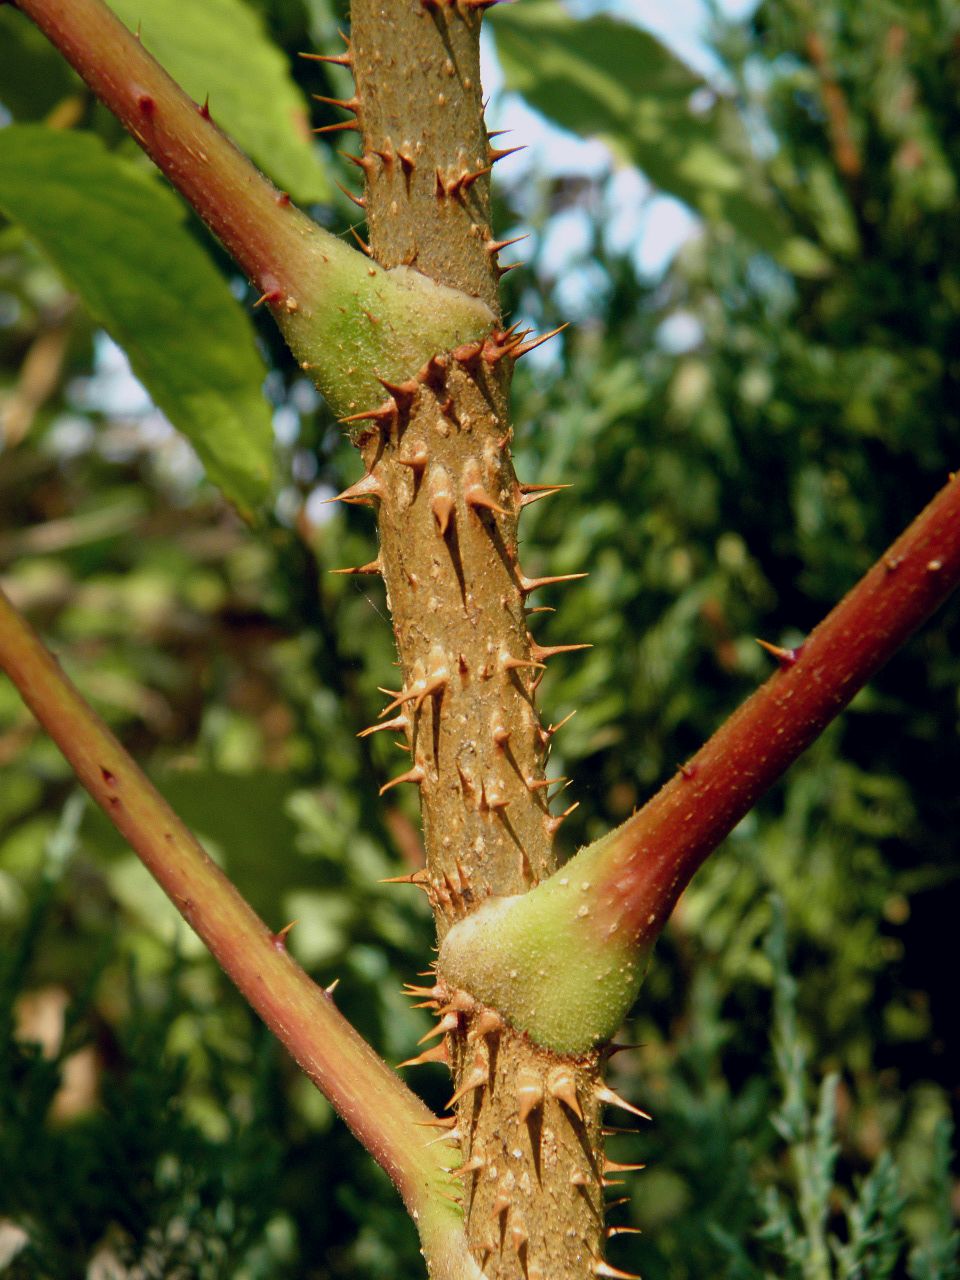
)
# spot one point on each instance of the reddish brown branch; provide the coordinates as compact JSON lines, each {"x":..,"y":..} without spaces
{"x":385,"y":1116}
{"x":651,"y":858}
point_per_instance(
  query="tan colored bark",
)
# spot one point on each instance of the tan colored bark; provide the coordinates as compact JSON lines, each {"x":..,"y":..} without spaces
{"x":439,"y":472}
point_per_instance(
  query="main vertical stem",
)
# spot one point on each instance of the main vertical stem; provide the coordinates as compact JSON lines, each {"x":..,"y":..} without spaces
{"x":448,"y":501}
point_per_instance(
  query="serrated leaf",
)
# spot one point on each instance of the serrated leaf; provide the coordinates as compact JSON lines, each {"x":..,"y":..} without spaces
{"x":598,"y":76}
{"x":117,"y":237}
{"x":219,"y":49}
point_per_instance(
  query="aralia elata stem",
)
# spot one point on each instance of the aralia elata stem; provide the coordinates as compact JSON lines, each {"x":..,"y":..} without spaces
{"x":388,"y":1119}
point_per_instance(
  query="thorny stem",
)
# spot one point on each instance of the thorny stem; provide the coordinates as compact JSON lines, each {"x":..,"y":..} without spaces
{"x":440,"y":475}
{"x":390,"y":1121}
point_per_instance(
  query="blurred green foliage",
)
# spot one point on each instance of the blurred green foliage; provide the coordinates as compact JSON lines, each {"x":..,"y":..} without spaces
{"x":746,"y":431}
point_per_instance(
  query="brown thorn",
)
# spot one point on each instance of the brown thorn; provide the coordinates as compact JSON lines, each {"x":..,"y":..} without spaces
{"x":364,"y":162}
{"x":529,"y":1092}
{"x":501,"y":153}
{"x":527,"y":585}
{"x":398,"y":723}
{"x":409,"y":989}
{"x":415,"y":774}
{"x":487,"y":1023}
{"x":280,"y":939}
{"x":622,"y":1231}
{"x":612,"y":1049}
{"x":438,"y":1053}
{"x":494,"y":246}
{"x":477,"y":1079}
{"x":562,"y":1085}
{"x":365,"y":490}
{"x":607,"y":1095}
{"x":471,"y":1166}
{"x":385,"y":415}
{"x":502,"y":1203}
{"x":335,"y":59}
{"x":372,"y":566}
{"x":531,"y":493}
{"x":433,"y":686}
{"x":553,"y":824}
{"x":612,"y":1166}
{"x":515,"y":664}
{"x":434,"y":372}
{"x":347,"y":104}
{"x":343,"y":126}
{"x":522,"y":348}
{"x":449,"y":1022}
{"x":403,"y":393}
{"x":417,"y":462}
{"x":785,"y":657}
{"x":475,"y":497}
{"x":357,"y":200}
{"x":271,"y":295}
{"x":466,"y":180}
{"x":453,"y":1136}
{"x":417,"y":878}
{"x":544,"y":652}
{"x":613,"y":1273}
{"x":438,"y":1122}
{"x":555,"y":728}
{"x":361,"y":242}
{"x":468,"y":353}
{"x":474,"y":493}
{"x":442,"y":506}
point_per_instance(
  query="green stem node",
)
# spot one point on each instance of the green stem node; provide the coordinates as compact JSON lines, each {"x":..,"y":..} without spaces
{"x":557,"y":962}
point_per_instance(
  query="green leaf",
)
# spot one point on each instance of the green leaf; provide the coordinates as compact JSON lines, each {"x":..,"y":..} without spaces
{"x":33,"y":76}
{"x":117,"y":237}
{"x":219,"y":50}
{"x":604,"y":77}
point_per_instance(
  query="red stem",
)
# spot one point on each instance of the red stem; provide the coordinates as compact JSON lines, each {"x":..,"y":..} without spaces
{"x":384,"y":1114}
{"x":649,"y":861}
{"x":256,"y":223}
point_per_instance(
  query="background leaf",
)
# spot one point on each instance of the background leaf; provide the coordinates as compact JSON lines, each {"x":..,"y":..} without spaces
{"x":117,"y":237}
{"x":219,"y":50}
{"x":601,"y":76}
{"x":33,"y":76}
